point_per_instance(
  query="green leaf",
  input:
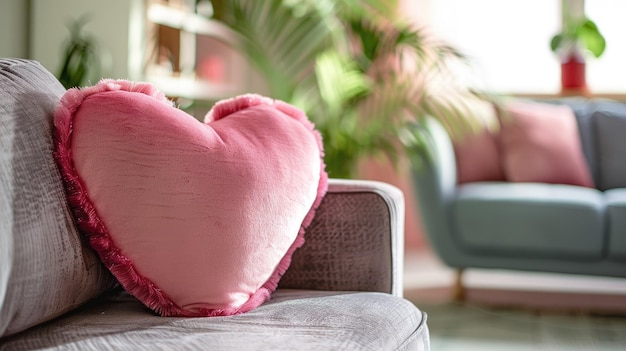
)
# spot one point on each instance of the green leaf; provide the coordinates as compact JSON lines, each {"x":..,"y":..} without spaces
{"x":556,"y":42}
{"x":591,"y":38}
{"x":585,"y":33}
{"x":358,"y":74}
{"x":80,"y":57}
{"x":339,"y":80}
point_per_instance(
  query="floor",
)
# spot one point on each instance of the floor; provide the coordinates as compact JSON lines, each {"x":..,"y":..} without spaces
{"x":506,"y":310}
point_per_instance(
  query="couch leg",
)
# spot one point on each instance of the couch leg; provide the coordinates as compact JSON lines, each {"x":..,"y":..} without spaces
{"x":459,"y":289}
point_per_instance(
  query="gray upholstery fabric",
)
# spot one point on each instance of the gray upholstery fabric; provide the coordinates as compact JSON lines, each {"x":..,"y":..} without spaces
{"x":610,"y":129}
{"x":542,"y":220}
{"x":616,"y":204}
{"x":337,"y":256}
{"x":355,"y":242}
{"x":291,"y":320}
{"x":45,"y":270}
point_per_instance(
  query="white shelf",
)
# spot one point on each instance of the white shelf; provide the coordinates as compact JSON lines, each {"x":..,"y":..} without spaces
{"x":187,"y":84}
{"x":191,"y":22}
{"x":191,"y":88}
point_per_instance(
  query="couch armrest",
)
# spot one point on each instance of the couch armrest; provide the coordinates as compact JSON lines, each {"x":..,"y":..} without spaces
{"x":433,"y":169}
{"x":355,"y":242}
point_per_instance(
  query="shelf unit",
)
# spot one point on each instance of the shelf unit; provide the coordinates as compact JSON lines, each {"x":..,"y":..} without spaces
{"x":185,"y":20}
{"x":190,"y":56}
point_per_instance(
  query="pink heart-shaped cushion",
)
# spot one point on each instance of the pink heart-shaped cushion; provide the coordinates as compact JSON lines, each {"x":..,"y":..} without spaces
{"x":194,"y":219}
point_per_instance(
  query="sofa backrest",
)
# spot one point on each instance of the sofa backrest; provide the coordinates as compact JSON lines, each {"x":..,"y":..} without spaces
{"x":45,"y":268}
{"x":602,"y":127}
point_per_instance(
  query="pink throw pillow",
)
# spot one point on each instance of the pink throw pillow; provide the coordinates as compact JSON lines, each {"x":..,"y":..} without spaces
{"x":194,"y":219}
{"x":540,"y":143}
{"x":478,"y":157}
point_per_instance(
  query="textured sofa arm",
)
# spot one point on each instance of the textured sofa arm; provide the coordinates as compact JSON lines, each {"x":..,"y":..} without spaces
{"x":355,"y":243}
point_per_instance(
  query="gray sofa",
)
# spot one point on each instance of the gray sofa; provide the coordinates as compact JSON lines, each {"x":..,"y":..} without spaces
{"x":343,"y":290}
{"x":531,"y":226}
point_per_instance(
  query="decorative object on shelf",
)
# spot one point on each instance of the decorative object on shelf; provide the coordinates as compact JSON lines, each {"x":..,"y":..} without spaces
{"x":189,"y":54}
{"x":360,"y":73}
{"x":211,"y":68}
{"x":579,"y":38}
{"x":204,"y":8}
{"x":80,"y":58}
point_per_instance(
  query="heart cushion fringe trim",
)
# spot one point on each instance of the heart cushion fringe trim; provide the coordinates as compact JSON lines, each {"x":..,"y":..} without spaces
{"x":193,"y":219}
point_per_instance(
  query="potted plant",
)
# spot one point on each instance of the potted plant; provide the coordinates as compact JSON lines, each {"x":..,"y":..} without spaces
{"x":578,"y":39}
{"x":359,"y":73}
{"x":80,"y":59}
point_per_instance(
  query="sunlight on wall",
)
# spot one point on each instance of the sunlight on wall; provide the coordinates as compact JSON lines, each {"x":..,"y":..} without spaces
{"x":13,"y":28}
{"x":108,"y":24}
{"x":607,"y":74}
{"x":508,"y":42}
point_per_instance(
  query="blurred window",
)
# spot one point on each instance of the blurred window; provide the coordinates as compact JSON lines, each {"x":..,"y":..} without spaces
{"x":508,"y":42}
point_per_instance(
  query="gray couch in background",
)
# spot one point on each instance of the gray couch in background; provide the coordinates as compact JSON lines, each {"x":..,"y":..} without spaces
{"x":343,"y":290}
{"x":531,"y":226}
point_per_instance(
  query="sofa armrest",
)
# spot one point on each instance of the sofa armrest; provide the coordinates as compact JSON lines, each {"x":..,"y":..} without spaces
{"x":434,"y":178}
{"x":355,"y":242}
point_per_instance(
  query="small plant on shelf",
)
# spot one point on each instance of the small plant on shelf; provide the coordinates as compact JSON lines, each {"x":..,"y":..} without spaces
{"x":579,"y":39}
{"x":80,"y":60}
{"x":579,"y":35}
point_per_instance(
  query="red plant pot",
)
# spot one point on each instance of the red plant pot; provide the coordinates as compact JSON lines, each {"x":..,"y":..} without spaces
{"x":573,"y":74}
{"x":573,"y":79}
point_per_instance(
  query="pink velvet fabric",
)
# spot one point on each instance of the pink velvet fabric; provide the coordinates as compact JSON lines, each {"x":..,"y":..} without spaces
{"x":478,"y":158}
{"x":478,"y":153}
{"x":194,"y":219}
{"x":541,"y":143}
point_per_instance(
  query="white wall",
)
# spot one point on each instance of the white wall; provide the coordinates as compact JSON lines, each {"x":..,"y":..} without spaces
{"x":13,"y":28}
{"x":109,"y":23}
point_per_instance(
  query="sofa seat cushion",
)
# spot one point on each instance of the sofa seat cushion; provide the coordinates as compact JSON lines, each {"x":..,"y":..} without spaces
{"x":616,"y":207}
{"x":530,"y":219}
{"x":292,"y":320}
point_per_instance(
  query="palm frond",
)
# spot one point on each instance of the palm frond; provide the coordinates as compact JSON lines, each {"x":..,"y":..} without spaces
{"x":360,"y":75}
{"x":279,"y":45}
{"x":339,"y":80}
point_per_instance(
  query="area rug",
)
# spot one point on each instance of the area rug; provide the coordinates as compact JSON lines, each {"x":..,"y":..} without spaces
{"x":471,"y":327}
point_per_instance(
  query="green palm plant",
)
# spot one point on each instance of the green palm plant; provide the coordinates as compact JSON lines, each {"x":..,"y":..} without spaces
{"x":360,"y":75}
